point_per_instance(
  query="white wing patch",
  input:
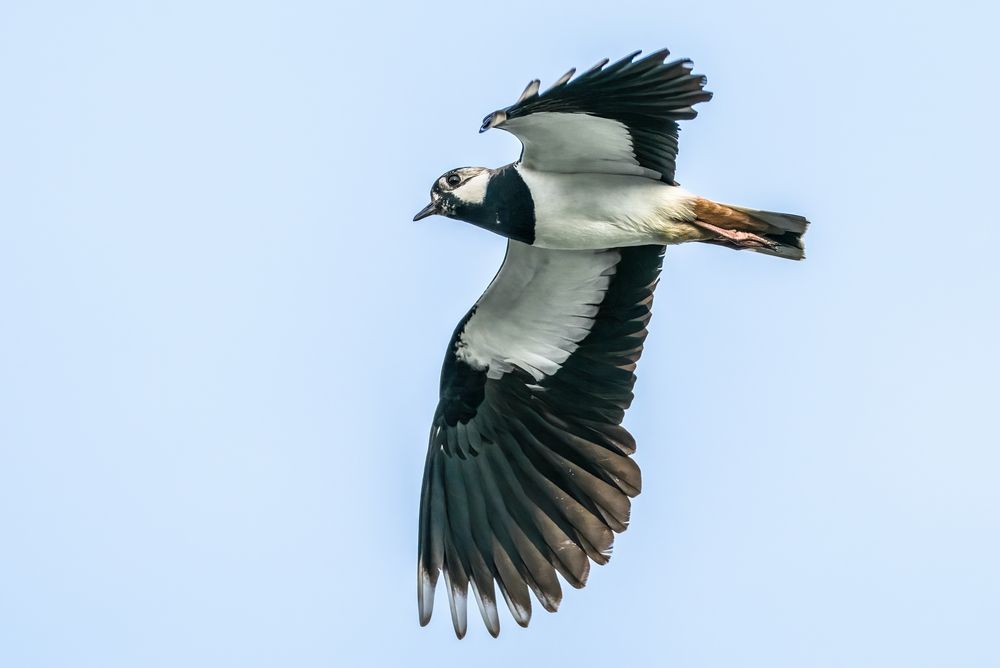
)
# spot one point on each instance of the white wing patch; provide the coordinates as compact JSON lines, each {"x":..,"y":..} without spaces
{"x":537,"y":310}
{"x":568,"y":142}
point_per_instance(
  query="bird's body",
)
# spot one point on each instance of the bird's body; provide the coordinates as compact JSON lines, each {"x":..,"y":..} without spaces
{"x":578,"y":211}
{"x":592,"y":210}
{"x":528,"y":471}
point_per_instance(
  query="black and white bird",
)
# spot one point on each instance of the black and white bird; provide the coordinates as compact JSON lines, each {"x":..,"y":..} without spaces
{"x":528,"y":473}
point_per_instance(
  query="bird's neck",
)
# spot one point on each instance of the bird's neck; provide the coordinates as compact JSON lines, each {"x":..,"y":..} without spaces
{"x":506,"y":210}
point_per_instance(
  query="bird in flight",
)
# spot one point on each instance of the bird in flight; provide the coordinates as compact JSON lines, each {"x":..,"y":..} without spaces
{"x":528,"y":471}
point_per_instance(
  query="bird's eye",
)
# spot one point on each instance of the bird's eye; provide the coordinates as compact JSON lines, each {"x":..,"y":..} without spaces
{"x":453,"y":180}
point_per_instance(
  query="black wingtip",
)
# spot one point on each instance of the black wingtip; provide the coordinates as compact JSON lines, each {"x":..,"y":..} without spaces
{"x":596,"y":68}
{"x":493,"y":120}
{"x":563,"y":80}
{"x":660,"y":55}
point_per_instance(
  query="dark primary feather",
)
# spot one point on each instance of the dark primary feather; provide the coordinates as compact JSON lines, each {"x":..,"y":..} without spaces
{"x":648,"y":95}
{"x":525,"y":479}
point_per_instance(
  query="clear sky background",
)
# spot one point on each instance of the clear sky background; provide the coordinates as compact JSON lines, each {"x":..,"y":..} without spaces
{"x":220,"y":334}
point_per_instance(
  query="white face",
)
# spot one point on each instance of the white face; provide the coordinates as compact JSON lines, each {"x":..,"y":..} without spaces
{"x":455,"y":189}
{"x":467,"y":184}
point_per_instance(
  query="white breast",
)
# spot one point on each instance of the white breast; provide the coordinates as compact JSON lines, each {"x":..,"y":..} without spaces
{"x":581,"y":211}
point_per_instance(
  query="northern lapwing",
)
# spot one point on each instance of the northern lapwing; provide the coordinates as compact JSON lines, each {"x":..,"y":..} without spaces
{"x":528,"y":473}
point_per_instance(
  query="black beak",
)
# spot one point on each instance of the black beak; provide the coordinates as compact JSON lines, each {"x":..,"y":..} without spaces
{"x":428,"y":210}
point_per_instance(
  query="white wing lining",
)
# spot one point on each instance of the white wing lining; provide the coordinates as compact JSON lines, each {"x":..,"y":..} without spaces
{"x":539,"y":307}
{"x":576,"y":142}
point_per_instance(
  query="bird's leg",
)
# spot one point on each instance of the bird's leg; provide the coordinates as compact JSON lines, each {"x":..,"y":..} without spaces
{"x":738,"y":237}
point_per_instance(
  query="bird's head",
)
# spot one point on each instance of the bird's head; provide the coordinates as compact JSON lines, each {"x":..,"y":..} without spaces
{"x":456,"y":192}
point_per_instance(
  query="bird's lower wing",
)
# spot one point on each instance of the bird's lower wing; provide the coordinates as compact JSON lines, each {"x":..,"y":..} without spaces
{"x":528,"y":471}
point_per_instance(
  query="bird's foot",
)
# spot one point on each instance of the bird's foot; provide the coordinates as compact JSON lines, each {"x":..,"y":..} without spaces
{"x":738,"y":237}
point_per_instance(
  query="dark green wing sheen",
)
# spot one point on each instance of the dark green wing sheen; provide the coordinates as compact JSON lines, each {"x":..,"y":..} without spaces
{"x":525,"y":478}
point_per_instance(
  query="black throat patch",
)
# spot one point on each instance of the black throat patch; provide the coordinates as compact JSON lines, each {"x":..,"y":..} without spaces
{"x":507,"y":209}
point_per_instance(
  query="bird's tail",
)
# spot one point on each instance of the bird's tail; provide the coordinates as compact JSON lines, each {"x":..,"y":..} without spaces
{"x":767,"y":232}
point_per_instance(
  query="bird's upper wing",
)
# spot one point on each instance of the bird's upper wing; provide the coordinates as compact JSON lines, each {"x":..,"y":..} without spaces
{"x":528,"y":470}
{"x":619,"y":119}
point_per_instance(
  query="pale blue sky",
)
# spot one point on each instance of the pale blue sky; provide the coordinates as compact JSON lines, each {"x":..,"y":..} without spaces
{"x":221,"y":334}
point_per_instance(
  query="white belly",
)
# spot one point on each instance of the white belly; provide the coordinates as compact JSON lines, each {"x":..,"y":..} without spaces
{"x":589,"y":211}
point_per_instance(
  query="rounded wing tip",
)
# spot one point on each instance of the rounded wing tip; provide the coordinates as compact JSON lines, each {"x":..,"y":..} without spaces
{"x":660,"y":55}
{"x":551,"y":603}
{"x":521,"y":615}
{"x":596,"y":67}
{"x":531,"y":90}
{"x":425,"y":608}
{"x":493,"y":120}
